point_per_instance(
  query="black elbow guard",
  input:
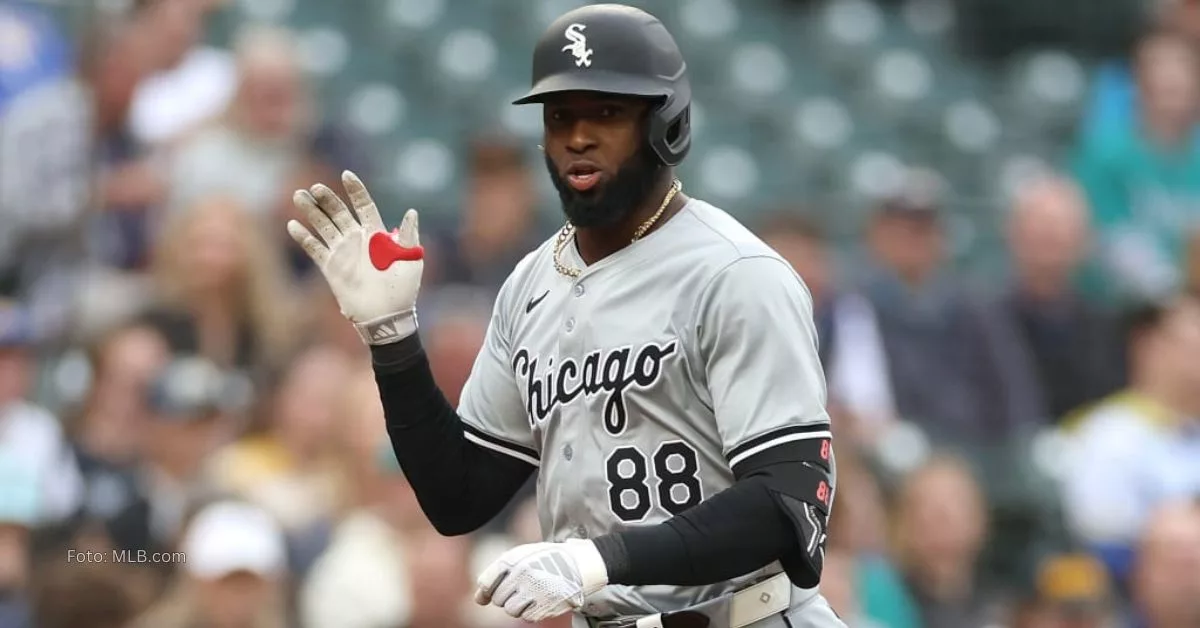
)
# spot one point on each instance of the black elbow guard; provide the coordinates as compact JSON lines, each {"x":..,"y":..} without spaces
{"x":799,"y":477}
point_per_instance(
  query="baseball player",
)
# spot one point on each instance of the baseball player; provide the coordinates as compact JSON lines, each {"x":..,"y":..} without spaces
{"x":655,"y":363}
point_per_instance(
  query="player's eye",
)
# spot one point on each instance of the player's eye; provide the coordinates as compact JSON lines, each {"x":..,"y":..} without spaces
{"x":609,"y":111}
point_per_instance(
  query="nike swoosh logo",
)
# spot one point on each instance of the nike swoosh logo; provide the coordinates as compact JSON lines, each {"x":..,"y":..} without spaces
{"x":534,"y":302}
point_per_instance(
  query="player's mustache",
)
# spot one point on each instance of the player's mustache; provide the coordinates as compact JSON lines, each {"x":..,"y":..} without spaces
{"x":613,"y":199}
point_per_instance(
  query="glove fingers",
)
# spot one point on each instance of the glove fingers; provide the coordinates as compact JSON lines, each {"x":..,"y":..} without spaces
{"x":307,"y":205}
{"x":409,"y":232}
{"x":505,"y":590}
{"x":333,"y":207}
{"x":364,"y":207}
{"x":485,"y":585}
{"x":517,"y":604}
{"x":315,"y":248}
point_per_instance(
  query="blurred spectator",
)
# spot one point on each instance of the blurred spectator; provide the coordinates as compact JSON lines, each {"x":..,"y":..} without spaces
{"x":1073,"y":344}
{"x":107,"y":432}
{"x":359,"y":438}
{"x":222,"y":290}
{"x":1139,"y":448}
{"x":45,"y":149}
{"x":191,"y":403}
{"x":1070,"y":591}
{"x":941,"y":527}
{"x":441,"y":595}
{"x":32,"y":436}
{"x":1143,"y":179}
{"x":19,"y":507}
{"x":130,"y":187}
{"x":290,"y":465}
{"x":838,"y":580}
{"x":368,"y":558}
{"x":89,"y":595}
{"x":850,"y":349}
{"x":328,"y":326}
{"x":234,"y":572}
{"x":250,"y":153}
{"x":952,"y":362}
{"x":121,"y":365}
{"x":860,"y":518}
{"x":1114,"y":99}
{"x":1192,"y":265}
{"x":499,"y":223}
{"x":1166,"y":583}
{"x":802,"y":242}
{"x":459,"y":319}
{"x":190,"y":83}
{"x":859,"y":534}
{"x":388,"y":561}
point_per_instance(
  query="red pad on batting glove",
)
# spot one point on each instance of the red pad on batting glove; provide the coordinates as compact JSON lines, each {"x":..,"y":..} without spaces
{"x":385,"y":251}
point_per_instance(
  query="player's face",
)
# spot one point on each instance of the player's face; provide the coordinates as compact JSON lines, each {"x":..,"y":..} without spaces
{"x":598,"y":157}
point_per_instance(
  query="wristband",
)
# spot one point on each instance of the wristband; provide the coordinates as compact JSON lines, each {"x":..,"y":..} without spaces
{"x":388,"y":329}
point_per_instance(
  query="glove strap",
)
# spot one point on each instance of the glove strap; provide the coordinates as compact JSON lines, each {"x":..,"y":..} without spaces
{"x":591,"y":565}
{"x":388,"y":329}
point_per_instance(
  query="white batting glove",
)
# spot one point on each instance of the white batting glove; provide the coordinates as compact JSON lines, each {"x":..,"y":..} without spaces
{"x":375,"y":275}
{"x":538,"y":581}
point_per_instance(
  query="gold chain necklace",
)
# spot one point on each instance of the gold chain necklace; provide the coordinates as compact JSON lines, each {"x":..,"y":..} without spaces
{"x":568,"y":231}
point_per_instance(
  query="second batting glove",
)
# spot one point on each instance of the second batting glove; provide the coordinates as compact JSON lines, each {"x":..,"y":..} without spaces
{"x":538,"y":581}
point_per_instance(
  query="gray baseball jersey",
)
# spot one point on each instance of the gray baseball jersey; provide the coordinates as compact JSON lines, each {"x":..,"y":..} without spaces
{"x":636,"y":386}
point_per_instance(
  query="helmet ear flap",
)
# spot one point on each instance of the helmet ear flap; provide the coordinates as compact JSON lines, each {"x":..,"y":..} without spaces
{"x":670,"y":130}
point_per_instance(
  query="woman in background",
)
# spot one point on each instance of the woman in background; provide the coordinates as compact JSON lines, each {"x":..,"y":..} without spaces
{"x":289,"y":464}
{"x":223,"y":293}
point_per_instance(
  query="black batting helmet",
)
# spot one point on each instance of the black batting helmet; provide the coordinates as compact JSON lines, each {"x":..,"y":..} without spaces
{"x":618,"y":49}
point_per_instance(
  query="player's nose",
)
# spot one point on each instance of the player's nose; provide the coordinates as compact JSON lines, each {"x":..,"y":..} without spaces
{"x":581,"y":137}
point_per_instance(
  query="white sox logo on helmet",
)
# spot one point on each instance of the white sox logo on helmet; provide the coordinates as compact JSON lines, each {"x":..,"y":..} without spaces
{"x":578,"y":46}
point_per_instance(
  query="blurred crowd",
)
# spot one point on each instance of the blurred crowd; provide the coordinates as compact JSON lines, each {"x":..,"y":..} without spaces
{"x":177,"y":386}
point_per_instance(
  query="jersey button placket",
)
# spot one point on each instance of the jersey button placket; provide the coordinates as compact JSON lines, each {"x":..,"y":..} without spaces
{"x":571,"y":346}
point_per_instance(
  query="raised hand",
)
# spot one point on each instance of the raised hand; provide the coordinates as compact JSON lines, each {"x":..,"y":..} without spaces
{"x":374,"y":274}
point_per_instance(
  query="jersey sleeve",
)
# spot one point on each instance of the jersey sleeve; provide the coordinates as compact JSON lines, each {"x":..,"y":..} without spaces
{"x":490,"y":406}
{"x":758,"y":344}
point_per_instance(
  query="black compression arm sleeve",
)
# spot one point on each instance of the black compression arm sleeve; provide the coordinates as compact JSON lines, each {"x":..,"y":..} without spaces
{"x":459,"y":485}
{"x":735,"y":532}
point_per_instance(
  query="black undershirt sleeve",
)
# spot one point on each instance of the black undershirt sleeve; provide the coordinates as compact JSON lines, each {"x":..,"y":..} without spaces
{"x":459,"y":485}
{"x":776,"y":510}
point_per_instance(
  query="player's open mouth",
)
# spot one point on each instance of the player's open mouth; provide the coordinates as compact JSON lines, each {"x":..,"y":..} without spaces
{"x":583,"y":177}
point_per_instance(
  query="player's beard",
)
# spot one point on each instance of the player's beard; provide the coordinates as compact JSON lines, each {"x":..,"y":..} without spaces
{"x":612,"y":201}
